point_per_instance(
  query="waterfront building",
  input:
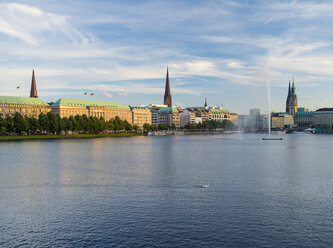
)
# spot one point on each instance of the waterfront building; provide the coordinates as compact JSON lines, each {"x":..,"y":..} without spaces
{"x":233,"y":117}
{"x":303,"y":118}
{"x":168,"y":116}
{"x":219,"y":114}
{"x":186,"y":116}
{"x":30,"y":106}
{"x":291,"y":103}
{"x":282,"y":120}
{"x":154,"y":108}
{"x":323,"y":120}
{"x":66,"y":107}
{"x":167,"y":94}
{"x":141,"y":116}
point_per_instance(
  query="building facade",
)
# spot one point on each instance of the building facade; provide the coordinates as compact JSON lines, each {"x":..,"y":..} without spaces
{"x":323,"y":120}
{"x":168,"y":116}
{"x":66,"y":107}
{"x":303,"y":119}
{"x":219,"y":114}
{"x":28,"y":106}
{"x":282,"y":120}
{"x":141,"y":116}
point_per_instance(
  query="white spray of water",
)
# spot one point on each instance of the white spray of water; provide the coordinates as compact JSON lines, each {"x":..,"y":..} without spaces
{"x":269,"y":102}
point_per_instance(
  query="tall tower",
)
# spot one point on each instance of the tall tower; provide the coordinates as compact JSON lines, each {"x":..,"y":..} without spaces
{"x":206,"y":106}
{"x":291,"y":103}
{"x":167,"y":94}
{"x":33,"y":91}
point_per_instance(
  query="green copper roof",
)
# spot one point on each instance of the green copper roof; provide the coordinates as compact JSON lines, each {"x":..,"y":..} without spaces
{"x":168,"y":109}
{"x":218,"y":111}
{"x":85,"y":103}
{"x":21,"y":100}
{"x":309,"y":113}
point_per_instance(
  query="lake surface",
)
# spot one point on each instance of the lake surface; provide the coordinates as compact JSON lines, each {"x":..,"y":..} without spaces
{"x":147,"y":192}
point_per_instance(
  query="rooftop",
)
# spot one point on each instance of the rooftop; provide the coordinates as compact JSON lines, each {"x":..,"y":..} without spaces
{"x":218,"y":111}
{"x":324,"y":109}
{"x":168,"y":109}
{"x":85,"y":103}
{"x":21,"y":100}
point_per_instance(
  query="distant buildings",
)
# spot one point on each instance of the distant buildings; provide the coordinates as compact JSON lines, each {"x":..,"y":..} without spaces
{"x":282,"y":120}
{"x":155,"y":114}
{"x":141,"y":116}
{"x":254,"y":122}
{"x":323,"y":120}
{"x":303,"y":119}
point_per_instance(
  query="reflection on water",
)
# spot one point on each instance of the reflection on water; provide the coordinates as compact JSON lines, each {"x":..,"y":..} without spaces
{"x":146,"y":191}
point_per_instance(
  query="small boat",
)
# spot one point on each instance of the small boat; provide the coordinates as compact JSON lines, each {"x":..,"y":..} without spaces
{"x":205,"y":185}
{"x":271,"y":138}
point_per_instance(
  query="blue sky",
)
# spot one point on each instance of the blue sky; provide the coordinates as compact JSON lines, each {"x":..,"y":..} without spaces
{"x":223,"y":50}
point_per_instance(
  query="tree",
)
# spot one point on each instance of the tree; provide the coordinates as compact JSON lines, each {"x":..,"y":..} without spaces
{"x":135,"y":128}
{"x":3,"y":126}
{"x":20,"y":123}
{"x":127,"y":125}
{"x":33,"y":124}
{"x":61,"y":124}
{"x":53,"y":122}
{"x":74,"y":124}
{"x":43,"y":122}
{"x":68,"y":124}
{"x":80,"y":122}
{"x":146,"y":127}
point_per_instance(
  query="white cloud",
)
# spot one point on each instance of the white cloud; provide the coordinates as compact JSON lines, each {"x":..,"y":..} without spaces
{"x":32,"y":25}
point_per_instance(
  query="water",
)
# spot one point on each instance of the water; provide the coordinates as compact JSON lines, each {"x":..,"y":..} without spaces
{"x":147,"y":192}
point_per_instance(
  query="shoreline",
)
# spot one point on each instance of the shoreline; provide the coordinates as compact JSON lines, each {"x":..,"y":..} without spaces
{"x":64,"y":136}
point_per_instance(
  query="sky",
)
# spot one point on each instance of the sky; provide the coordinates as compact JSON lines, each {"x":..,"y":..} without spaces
{"x":227,"y":51}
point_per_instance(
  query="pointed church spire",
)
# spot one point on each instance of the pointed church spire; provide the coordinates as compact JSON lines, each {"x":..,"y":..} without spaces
{"x":289,"y":90}
{"x":205,"y":102}
{"x":33,"y":91}
{"x":167,"y":94}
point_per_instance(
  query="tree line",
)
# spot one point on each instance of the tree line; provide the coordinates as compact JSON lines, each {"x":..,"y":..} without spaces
{"x":54,"y":124}
{"x":211,"y":125}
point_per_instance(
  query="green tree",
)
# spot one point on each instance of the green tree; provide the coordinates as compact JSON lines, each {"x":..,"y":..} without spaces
{"x":74,"y":124}
{"x":81,"y":123}
{"x":146,"y":127}
{"x":135,"y":128}
{"x":43,"y":122}
{"x":9,"y":123}
{"x":33,"y":124}
{"x":3,"y":126}
{"x":61,"y":124}
{"x":127,"y":125}
{"x":20,"y":123}
{"x":53,"y":122}
{"x":68,"y":124}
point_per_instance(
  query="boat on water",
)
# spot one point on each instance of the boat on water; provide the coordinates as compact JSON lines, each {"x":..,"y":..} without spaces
{"x":272,"y":138}
{"x":205,"y":185}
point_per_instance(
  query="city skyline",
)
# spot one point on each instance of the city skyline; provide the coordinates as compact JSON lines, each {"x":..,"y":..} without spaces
{"x":119,"y":51}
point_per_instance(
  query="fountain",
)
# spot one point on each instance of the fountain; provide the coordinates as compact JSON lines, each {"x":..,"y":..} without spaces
{"x":269,"y":110}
